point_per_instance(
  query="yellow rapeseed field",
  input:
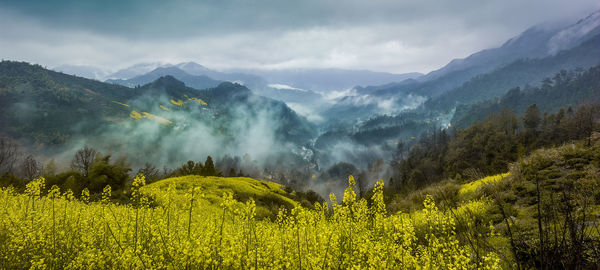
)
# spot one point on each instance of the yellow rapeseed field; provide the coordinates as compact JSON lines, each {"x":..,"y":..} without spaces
{"x":178,"y":102}
{"x":135,"y":115}
{"x":157,"y":118}
{"x":473,"y":186}
{"x":198,"y":100}
{"x":179,"y":228}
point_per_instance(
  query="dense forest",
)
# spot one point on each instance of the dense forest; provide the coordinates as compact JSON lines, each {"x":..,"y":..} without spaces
{"x":489,"y":146}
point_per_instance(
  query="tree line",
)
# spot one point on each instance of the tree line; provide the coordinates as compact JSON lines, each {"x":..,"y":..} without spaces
{"x":90,"y":169}
{"x":487,"y":147}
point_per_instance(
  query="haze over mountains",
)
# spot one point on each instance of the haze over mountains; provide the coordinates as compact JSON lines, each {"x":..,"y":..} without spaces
{"x":313,"y":118}
{"x":536,"y":42}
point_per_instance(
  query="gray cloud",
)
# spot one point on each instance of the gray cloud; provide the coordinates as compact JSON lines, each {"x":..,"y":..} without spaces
{"x":395,"y":36}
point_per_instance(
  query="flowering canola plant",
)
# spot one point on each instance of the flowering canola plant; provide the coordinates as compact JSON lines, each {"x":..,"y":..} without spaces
{"x":135,"y":115}
{"x":157,"y":118}
{"x":178,"y":102}
{"x":50,"y":228}
{"x":473,"y":186}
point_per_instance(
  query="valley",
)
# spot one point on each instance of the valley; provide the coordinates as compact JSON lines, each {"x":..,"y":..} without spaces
{"x":284,"y":159}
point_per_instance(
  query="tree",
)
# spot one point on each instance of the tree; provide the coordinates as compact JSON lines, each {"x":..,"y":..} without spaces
{"x":150,"y":172}
{"x":532,"y":118}
{"x":83,"y":160}
{"x":103,"y":173}
{"x":189,"y":168}
{"x":398,"y":155}
{"x":231,"y":173}
{"x":30,"y":168}
{"x":9,"y":154}
{"x":584,"y":122}
{"x":209,"y":167}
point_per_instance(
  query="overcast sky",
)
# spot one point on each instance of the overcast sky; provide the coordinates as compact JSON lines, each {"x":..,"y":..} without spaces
{"x":395,"y":36}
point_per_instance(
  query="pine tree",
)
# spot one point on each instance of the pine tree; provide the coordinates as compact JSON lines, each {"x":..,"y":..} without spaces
{"x":209,"y":167}
{"x":532,"y":118}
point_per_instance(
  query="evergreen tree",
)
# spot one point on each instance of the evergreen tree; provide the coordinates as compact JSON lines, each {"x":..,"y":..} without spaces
{"x":532,"y":118}
{"x":209,"y":167}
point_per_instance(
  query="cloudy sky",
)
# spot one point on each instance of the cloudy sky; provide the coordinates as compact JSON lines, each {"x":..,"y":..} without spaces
{"x":394,"y":35}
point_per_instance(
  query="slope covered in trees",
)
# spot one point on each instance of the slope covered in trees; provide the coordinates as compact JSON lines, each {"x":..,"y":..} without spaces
{"x":489,"y":146}
{"x":564,"y":89}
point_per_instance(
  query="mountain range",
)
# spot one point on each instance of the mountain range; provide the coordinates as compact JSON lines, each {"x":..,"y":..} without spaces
{"x":51,"y":110}
{"x":335,"y":114}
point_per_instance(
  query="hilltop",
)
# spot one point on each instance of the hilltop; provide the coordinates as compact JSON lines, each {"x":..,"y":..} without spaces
{"x":268,"y":196}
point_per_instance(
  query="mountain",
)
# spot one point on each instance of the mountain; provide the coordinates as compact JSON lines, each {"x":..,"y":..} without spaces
{"x":197,"y":76}
{"x":135,"y":70}
{"x":290,"y":94}
{"x":193,"y":68}
{"x":565,"y":89}
{"x":51,"y":111}
{"x":363,"y":121}
{"x":529,"y":44}
{"x":537,"y":42}
{"x":46,"y":106}
{"x":475,"y":99}
{"x":198,"y":82}
{"x":249,"y":80}
{"x":330,"y":79}
{"x":575,"y":34}
{"x":89,"y":72}
{"x":519,"y":73}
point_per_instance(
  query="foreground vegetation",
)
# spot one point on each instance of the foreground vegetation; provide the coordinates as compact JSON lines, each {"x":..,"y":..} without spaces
{"x":547,"y":208}
{"x":543,"y":213}
{"x":181,"y":229}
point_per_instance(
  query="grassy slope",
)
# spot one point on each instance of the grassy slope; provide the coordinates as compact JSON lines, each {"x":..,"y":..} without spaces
{"x":269,"y":196}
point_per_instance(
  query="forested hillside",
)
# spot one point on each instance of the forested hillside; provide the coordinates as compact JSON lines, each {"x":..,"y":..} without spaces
{"x":564,"y":89}
{"x":489,"y":146}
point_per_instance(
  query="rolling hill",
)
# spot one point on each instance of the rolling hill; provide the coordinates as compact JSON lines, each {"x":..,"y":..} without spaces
{"x":268,"y":196}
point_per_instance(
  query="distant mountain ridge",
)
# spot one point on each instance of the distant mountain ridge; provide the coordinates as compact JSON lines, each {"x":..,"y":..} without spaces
{"x":84,"y":71}
{"x":328,"y":79}
{"x":536,"y":42}
{"x":50,"y":108}
{"x":519,"y":73}
{"x":194,"y":81}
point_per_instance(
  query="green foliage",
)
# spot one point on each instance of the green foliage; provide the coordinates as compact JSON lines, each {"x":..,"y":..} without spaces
{"x":209,"y":168}
{"x":547,"y":207}
{"x":566,"y":88}
{"x":103,"y":173}
{"x":69,"y":180}
{"x":531,"y":118}
{"x":489,"y":146}
{"x":189,"y":168}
